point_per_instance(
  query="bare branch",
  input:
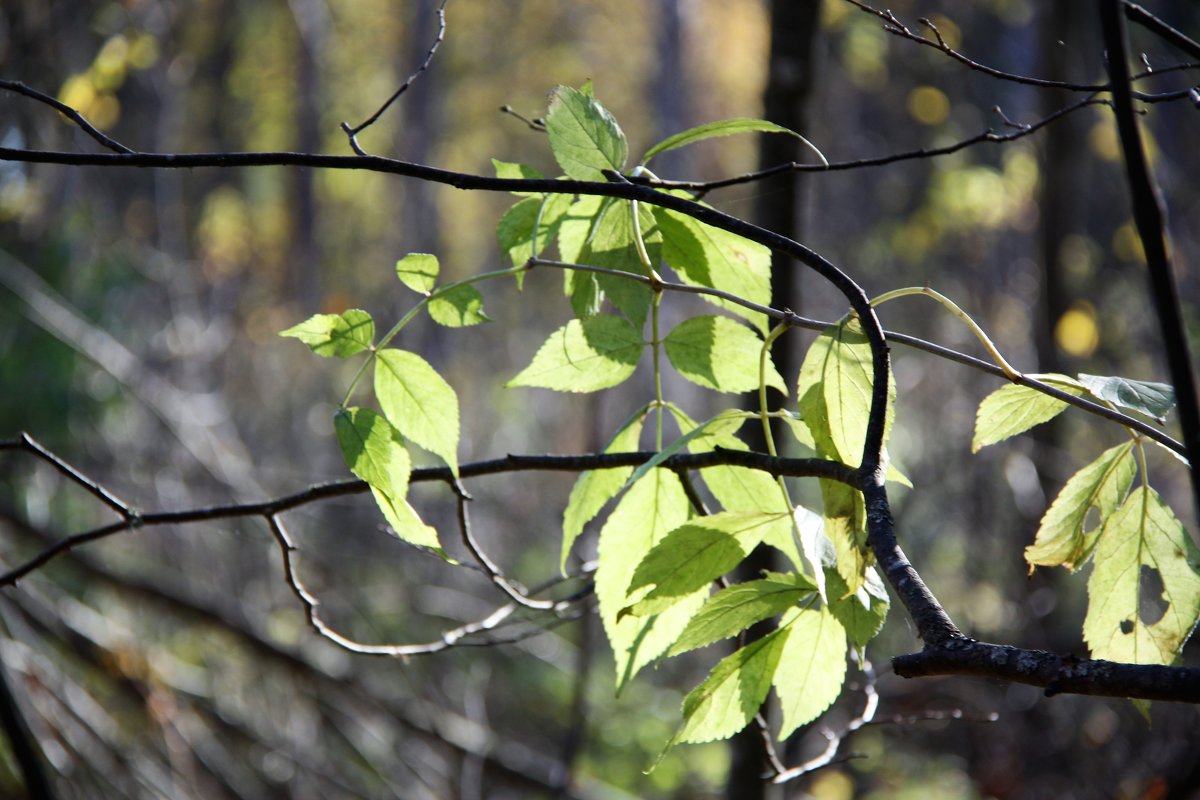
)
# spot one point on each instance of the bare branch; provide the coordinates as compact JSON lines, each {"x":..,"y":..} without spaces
{"x":67,"y":111}
{"x":369,"y":121}
{"x":1056,"y":674}
{"x":1137,"y":14}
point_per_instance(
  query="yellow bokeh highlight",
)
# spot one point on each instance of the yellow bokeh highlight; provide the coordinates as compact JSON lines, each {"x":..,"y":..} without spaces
{"x":950,"y":32}
{"x":832,"y":785}
{"x":1076,"y":331}
{"x":143,"y":51}
{"x":928,"y":105}
{"x":1127,"y":244}
{"x":1103,"y":142}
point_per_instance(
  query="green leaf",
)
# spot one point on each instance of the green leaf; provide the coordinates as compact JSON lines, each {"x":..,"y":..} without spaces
{"x":419,"y":402}
{"x":860,"y":613}
{"x":727,"y":421}
{"x":695,"y":554}
{"x":585,"y":356}
{"x":1064,"y":538}
{"x":718,"y":353}
{"x":653,"y":506}
{"x":847,"y":380}
{"x":339,"y":335}
{"x":611,"y":244}
{"x":594,"y":488}
{"x":514,"y":171}
{"x":577,"y":224}
{"x":733,"y":692}
{"x":418,"y":271}
{"x":811,"y":668}
{"x":584,"y":136}
{"x":706,"y":256}
{"x":1144,"y":592}
{"x":1015,"y":409}
{"x":845,"y":520}
{"x":1152,"y":399}
{"x":725,"y":127}
{"x":374,"y":452}
{"x":732,"y":610}
{"x":514,"y":232}
{"x":459,"y":307}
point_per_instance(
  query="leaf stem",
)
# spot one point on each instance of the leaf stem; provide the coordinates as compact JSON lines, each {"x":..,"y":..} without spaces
{"x":657,"y":345}
{"x":1009,"y":371}
{"x":395,"y":329}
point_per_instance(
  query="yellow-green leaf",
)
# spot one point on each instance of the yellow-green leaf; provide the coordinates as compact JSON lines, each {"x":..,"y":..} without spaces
{"x":419,"y":402}
{"x":732,"y":610}
{"x":1015,"y":409}
{"x":811,"y":667}
{"x":459,"y":307}
{"x":335,"y":335}
{"x":585,"y":356}
{"x":594,"y":488}
{"x":654,"y":506}
{"x":1064,"y":538}
{"x":1144,"y":591}
{"x":418,"y":271}
{"x":718,"y":353}
{"x":584,"y":136}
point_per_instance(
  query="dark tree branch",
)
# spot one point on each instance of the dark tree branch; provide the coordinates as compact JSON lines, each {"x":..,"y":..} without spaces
{"x":1148,"y":216}
{"x":1056,"y":674}
{"x":1137,"y":14}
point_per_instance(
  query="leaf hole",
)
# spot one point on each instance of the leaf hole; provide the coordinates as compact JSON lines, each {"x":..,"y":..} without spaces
{"x":1152,"y":606}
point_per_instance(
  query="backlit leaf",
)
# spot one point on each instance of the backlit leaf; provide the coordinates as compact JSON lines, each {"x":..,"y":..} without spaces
{"x":811,"y":668}
{"x":1151,"y":399}
{"x":732,"y":610}
{"x":725,"y":127}
{"x":718,"y":353}
{"x":513,"y":171}
{"x":584,"y":136}
{"x":374,"y":451}
{"x":459,"y":307}
{"x":419,"y":402}
{"x":1144,"y":591}
{"x":585,"y":356}
{"x":733,"y":692}
{"x":339,"y":335}
{"x":706,"y":256}
{"x":860,"y":613}
{"x":515,"y":229}
{"x":693,"y":555}
{"x":596,"y":487}
{"x":650,"y":509}
{"x":418,"y":271}
{"x":1065,"y":537}
{"x":1014,"y":409}
{"x":611,"y":244}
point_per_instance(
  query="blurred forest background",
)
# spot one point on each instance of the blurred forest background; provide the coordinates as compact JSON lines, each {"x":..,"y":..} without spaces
{"x":139,"y":314}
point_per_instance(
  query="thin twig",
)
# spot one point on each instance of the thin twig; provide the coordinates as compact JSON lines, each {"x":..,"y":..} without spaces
{"x":29,"y":444}
{"x":1137,"y":14}
{"x":67,"y":111}
{"x":369,"y":121}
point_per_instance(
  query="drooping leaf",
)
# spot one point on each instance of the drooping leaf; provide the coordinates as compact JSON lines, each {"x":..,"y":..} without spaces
{"x":733,"y":692}
{"x":706,"y":256}
{"x":514,"y":232}
{"x":693,"y":555}
{"x":732,"y":610}
{"x":514,"y":171}
{"x":845,"y":523}
{"x":809,"y":548}
{"x":727,"y":422}
{"x":860,"y":613}
{"x":811,"y":668}
{"x":1064,"y":537}
{"x":584,"y":136}
{"x":374,"y":451}
{"x":339,"y":335}
{"x":650,"y":509}
{"x":718,"y":353}
{"x":611,"y":244}
{"x":594,"y":488}
{"x":1152,"y":399}
{"x":419,"y":402}
{"x":418,"y":271}
{"x":1144,"y":592}
{"x":1015,"y":409}
{"x":725,"y":127}
{"x":459,"y":307}
{"x":585,"y":356}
